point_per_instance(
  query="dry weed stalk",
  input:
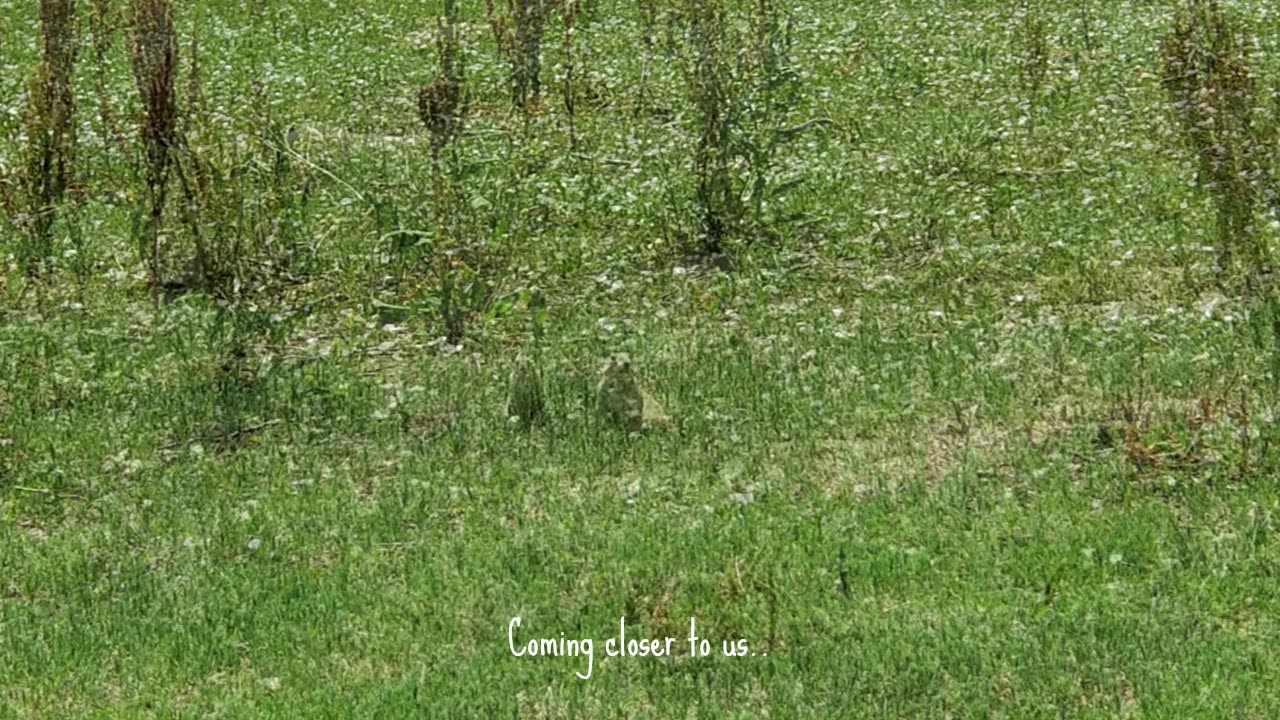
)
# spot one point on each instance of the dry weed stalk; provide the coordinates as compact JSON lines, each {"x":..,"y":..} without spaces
{"x":243,"y":202}
{"x":214,"y":258}
{"x":1207,"y":76}
{"x":649,"y":14}
{"x":744,"y":89}
{"x":153,"y":52}
{"x":519,"y":34}
{"x":711,"y":86}
{"x":772,"y":88}
{"x":103,"y":25}
{"x":50,"y":130}
{"x":442,"y":107}
{"x":440,"y":104}
{"x":1033,"y":68}
{"x":569,"y":15}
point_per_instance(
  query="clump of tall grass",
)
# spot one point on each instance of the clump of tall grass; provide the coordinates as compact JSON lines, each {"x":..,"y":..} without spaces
{"x":519,"y":33}
{"x":49,"y":126}
{"x":1208,"y":78}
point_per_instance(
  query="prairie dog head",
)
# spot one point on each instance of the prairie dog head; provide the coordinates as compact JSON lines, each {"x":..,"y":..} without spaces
{"x":618,"y":366}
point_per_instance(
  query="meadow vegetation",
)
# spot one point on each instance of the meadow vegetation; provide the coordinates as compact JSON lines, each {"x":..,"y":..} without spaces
{"x":961,"y":317}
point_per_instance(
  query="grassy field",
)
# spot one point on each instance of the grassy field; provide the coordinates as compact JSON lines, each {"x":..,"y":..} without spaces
{"x":965,"y":419}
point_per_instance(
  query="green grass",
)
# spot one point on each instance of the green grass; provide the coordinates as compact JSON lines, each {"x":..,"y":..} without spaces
{"x":899,"y":464}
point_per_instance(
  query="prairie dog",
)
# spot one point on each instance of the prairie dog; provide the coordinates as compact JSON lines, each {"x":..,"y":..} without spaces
{"x":621,"y":400}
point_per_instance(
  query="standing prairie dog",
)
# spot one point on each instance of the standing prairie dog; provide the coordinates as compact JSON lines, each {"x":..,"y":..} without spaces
{"x":621,"y":400}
